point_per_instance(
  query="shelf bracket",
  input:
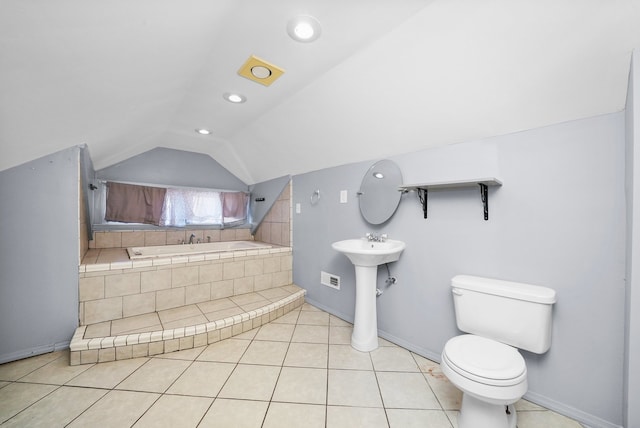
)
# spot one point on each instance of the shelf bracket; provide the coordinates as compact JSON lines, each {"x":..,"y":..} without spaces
{"x":484,"y":194}
{"x":423,"y":195}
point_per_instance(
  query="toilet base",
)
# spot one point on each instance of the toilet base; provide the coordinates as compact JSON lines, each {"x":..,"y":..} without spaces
{"x":475,"y":413}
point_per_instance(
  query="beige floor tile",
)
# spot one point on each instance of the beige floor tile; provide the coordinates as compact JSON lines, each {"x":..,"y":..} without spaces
{"x":350,"y":417}
{"x":175,"y":411}
{"x":248,"y":335}
{"x":266,"y":353}
{"x":301,"y":385}
{"x":449,"y":396}
{"x":3,"y":384}
{"x":311,"y":333}
{"x":340,"y":335}
{"x":156,"y":375}
{"x":129,"y":324}
{"x":406,"y":391}
{"x":216,"y":305}
{"x":523,"y":405}
{"x":307,"y":355}
{"x":187,"y":354}
{"x":202,"y":378}
{"x":276,"y":332}
{"x":288,"y":415}
{"x":313,"y":318}
{"x":334,"y":321}
{"x":425,"y":365}
{"x":101,"y":329}
{"x":169,"y":315}
{"x":289,"y":318}
{"x":309,"y":307}
{"x":353,"y":388}
{"x":17,"y":369}
{"x":453,"y":417}
{"x":57,"y":372}
{"x":116,"y":409}
{"x":411,"y":418}
{"x":235,"y":413}
{"x":393,"y":359}
{"x":107,"y":375}
{"x":536,"y":419}
{"x":58,"y":408}
{"x":345,"y":357}
{"x":110,"y":255}
{"x":248,"y":382}
{"x":226,"y":351}
{"x":19,"y":396}
{"x":185,"y":322}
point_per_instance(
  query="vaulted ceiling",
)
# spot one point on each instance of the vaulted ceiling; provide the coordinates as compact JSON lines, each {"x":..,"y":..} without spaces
{"x":385,"y":77}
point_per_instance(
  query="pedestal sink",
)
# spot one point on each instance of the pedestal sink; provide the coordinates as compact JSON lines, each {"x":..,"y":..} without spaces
{"x":366,"y":255}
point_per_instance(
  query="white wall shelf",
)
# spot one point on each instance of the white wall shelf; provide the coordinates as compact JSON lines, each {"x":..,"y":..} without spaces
{"x":422,"y":190}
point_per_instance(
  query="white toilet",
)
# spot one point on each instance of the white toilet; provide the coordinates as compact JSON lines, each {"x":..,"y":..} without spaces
{"x":501,"y":316}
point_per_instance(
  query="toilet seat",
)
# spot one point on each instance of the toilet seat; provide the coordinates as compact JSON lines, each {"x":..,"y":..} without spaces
{"x":485,"y":361}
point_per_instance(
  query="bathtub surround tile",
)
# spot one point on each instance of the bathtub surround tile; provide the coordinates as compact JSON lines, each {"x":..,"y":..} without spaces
{"x":132,"y":239}
{"x":170,"y":315}
{"x":210,"y":273}
{"x":101,"y":329}
{"x":96,"y":311}
{"x":155,"y":238}
{"x":168,"y":299}
{"x":133,"y":323}
{"x":122,"y":285}
{"x":138,"y":304}
{"x":91,"y":288}
{"x":221,"y":289}
{"x":155,"y":280}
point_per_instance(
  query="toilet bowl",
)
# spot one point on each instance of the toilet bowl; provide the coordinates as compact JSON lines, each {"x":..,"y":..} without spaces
{"x":501,"y":317}
{"x":492,"y":377}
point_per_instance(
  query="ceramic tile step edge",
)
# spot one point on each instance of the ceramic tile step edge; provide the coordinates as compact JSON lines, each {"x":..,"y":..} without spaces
{"x":112,"y":348}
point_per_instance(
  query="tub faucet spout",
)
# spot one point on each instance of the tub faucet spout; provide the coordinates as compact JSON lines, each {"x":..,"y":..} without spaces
{"x":191,"y":238}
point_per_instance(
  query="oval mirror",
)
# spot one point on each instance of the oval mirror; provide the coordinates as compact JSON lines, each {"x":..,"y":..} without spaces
{"x":379,"y":195}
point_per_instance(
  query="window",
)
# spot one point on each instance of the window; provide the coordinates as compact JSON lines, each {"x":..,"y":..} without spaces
{"x":172,"y":207}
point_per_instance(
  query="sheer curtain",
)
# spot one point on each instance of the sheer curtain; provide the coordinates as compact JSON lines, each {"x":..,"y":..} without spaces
{"x":183,"y":207}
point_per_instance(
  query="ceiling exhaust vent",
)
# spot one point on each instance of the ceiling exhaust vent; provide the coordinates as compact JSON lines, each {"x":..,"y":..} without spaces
{"x":260,"y":71}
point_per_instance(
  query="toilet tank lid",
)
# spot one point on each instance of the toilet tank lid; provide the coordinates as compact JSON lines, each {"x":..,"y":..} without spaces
{"x":514,"y":290}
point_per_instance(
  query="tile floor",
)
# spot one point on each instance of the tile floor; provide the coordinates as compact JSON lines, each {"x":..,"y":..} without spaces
{"x":298,"y":371}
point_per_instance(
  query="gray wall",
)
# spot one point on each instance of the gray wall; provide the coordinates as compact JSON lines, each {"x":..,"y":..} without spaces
{"x":173,"y":167}
{"x":558,"y":221}
{"x":39,"y":255}
{"x":632,"y":351}
{"x":269,"y":190}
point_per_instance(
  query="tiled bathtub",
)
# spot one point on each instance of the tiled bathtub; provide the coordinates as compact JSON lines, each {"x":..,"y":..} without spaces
{"x":122,"y":289}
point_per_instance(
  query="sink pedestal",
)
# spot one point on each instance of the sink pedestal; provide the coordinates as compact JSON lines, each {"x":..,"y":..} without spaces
{"x":365,"y":324}
{"x":366,"y":255}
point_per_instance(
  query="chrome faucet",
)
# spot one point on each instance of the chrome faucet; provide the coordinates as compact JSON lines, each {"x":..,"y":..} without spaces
{"x":374,"y":237}
{"x":191,"y":238}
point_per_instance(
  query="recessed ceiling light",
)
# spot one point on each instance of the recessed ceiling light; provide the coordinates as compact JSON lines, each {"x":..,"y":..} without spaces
{"x":234,"y":98}
{"x":304,"y":28}
{"x":203,"y":131}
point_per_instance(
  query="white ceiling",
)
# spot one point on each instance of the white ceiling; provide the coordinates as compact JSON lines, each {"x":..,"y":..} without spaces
{"x":386,"y":77}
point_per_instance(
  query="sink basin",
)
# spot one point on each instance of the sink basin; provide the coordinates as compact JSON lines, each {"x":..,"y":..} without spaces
{"x":363,"y":252}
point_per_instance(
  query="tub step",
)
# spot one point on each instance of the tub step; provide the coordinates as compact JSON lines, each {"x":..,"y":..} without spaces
{"x":134,"y":345}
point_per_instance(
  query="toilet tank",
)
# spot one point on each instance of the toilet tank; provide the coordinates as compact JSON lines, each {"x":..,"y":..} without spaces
{"x":514,"y":313}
